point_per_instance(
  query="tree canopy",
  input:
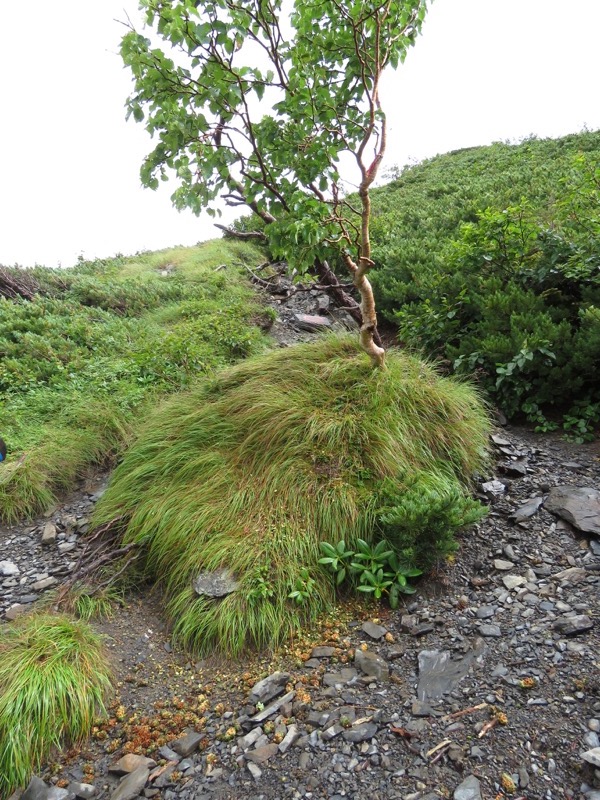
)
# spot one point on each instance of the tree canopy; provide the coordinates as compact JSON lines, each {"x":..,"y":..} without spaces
{"x":274,"y":106}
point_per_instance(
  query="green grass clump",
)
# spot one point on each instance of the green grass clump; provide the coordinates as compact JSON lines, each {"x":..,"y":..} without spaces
{"x":53,"y":678}
{"x":253,"y":469}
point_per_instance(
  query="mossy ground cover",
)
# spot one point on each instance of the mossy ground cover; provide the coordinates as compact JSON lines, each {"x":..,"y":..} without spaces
{"x":252,"y":469}
{"x":101,"y":342}
{"x":53,"y":680}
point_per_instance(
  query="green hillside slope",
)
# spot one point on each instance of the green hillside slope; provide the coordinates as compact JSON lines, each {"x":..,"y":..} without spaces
{"x":489,"y":258}
{"x":98,"y":342}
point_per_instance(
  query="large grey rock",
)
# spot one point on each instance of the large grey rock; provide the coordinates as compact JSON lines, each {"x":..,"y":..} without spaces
{"x":371,"y":664}
{"x":578,"y":505}
{"x":268,"y":688}
{"x":215,"y":584}
{"x":8,"y":568}
{"x":469,"y":789}
{"x":132,"y":785}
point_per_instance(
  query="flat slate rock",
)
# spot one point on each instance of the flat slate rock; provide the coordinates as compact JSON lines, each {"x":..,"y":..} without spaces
{"x":572,"y":626}
{"x":438,"y":674}
{"x":578,"y":505}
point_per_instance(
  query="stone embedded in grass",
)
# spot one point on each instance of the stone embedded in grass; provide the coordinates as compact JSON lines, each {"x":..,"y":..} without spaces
{"x":219,"y":583}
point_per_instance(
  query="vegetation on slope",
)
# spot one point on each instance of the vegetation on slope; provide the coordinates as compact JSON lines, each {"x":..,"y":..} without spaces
{"x":53,"y":678}
{"x":490,"y":259}
{"x":253,"y":469}
{"x":99,"y":341}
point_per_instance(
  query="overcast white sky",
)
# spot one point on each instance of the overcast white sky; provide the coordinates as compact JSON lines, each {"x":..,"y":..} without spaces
{"x":483,"y":71}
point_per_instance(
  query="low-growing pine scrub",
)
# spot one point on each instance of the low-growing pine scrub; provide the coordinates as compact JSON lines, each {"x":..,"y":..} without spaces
{"x":53,"y":680}
{"x":252,"y":470}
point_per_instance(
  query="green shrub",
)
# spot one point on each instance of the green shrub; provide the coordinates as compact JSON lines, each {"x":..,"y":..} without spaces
{"x":515,"y":300}
{"x":53,"y":679}
{"x":421,"y":514}
{"x":253,"y":469}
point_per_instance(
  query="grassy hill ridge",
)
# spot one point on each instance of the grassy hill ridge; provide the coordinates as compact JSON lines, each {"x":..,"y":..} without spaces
{"x":99,"y":342}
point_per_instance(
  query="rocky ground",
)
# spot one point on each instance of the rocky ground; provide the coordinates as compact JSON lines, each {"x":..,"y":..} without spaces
{"x":484,"y":684}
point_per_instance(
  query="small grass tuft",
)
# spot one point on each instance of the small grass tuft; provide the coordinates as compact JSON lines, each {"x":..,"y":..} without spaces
{"x":53,"y":678}
{"x":253,"y":469}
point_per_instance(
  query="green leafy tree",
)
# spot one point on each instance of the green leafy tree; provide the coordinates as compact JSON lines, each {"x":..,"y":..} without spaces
{"x":275,"y":111}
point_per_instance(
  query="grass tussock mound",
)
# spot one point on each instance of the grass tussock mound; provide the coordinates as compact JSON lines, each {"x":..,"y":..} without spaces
{"x":252,"y":470}
{"x":53,"y":677}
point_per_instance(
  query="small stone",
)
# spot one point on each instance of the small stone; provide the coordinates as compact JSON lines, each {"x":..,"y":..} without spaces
{"x":188,"y":744}
{"x":254,"y":770}
{"x":261,"y":754}
{"x":66,"y":547}
{"x":370,"y":663}
{"x":36,"y":790}
{"x":493,"y":489}
{"x":168,"y":754}
{"x":592,"y":756}
{"x":513,"y":581}
{"x":594,"y":724}
{"x":83,"y":790}
{"x":573,"y":626}
{"x":332,"y":732}
{"x":485,"y":612}
{"x":8,"y":568}
{"x":246,"y":742}
{"x":291,"y":737}
{"x":322,"y":651}
{"x":131,"y":785}
{"x":572,"y":575}
{"x":49,"y":533}
{"x":268,"y":688}
{"x":130,"y":762}
{"x":307,"y":322}
{"x":490,"y":630}
{"x":469,"y":789}
{"x":373,"y":630}
{"x":273,"y":707}
{"x":12,"y":612}
{"x":502,"y":565}
{"x":360,"y":733}
{"x":46,"y":583}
